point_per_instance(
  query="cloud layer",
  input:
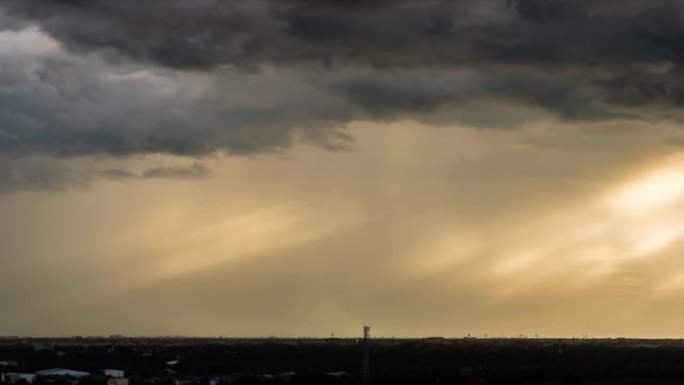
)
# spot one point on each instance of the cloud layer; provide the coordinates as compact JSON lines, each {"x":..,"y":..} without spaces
{"x":194,"y":78}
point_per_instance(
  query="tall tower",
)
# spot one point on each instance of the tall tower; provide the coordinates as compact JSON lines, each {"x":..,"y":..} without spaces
{"x":365,"y":360}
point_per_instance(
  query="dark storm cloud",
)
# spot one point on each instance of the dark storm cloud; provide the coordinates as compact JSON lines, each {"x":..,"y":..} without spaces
{"x":194,"y":171}
{"x":48,"y":174}
{"x":38,"y":174}
{"x":124,"y":77}
{"x":119,"y":174}
{"x":419,"y":94}
{"x":55,"y":104}
{"x":554,"y":36}
{"x":209,"y":33}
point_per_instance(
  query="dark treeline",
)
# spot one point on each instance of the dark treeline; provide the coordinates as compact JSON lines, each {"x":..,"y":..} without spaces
{"x":337,"y":361}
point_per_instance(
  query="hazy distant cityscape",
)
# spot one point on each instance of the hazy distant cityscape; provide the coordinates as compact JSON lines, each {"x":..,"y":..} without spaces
{"x":119,"y":360}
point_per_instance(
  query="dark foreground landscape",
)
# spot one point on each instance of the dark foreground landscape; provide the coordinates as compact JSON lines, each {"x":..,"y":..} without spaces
{"x":180,"y":361}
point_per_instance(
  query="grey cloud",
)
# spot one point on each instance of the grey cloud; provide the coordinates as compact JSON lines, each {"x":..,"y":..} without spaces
{"x":552,"y":36}
{"x":62,"y":105}
{"x":39,"y":175}
{"x":119,"y":174}
{"x":549,"y":10}
{"x":52,"y":174}
{"x":195,"y":171}
{"x":419,"y":94}
{"x":210,"y":33}
{"x":125,"y":79}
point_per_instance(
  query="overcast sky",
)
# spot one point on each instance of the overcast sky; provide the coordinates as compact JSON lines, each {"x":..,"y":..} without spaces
{"x":304,"y":167}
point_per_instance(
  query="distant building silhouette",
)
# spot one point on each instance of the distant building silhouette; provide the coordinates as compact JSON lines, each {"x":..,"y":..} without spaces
{"x":365,"y":360}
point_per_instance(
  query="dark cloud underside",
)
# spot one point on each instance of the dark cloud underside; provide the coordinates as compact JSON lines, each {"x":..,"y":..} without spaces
{"x":120,"y":82}
{"x":209,"y":33}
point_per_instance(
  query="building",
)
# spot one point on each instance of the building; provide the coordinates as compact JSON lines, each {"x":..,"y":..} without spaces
{"x":42,"y":345}
{"x":185,"y":381}
{"x":13,"y":378}
{"x":338,"y":375}
{"x":62,"y":372}
{"x":114,"y":373}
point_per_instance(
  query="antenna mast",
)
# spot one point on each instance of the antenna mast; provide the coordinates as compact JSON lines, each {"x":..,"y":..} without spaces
{"x":365,"y":361}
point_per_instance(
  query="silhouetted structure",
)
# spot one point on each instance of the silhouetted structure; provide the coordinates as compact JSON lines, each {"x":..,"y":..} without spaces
{"x":365,"y":361}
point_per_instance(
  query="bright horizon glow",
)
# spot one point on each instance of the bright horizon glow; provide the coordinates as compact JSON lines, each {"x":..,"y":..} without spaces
{"x":654,"y":191}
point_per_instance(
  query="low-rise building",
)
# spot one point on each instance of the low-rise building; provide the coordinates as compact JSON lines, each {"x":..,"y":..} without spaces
{"x":13,"y":378}
{"x":42,"y":346}
{"x":338,"y":374}
{"x":62,"y":372}
{"x":114,"y":373}
{"x":185,"y":381}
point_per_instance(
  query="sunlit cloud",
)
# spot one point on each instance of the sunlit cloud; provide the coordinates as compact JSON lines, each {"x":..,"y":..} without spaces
{"x":639,"y":219}
{"x":661,"y":188}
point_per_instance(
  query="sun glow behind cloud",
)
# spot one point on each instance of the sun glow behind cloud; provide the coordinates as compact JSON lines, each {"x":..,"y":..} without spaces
{"x":651,"y":206}
{"x":594,"y":240}
{"x":652,"y":192}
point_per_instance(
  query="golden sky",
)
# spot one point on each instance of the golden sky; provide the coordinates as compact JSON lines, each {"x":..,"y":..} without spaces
{"x":417,"y":230}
